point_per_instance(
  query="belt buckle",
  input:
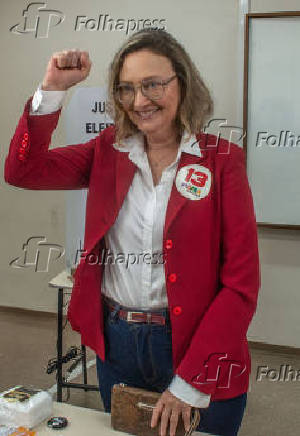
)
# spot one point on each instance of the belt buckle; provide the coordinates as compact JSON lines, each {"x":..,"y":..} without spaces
{"x":129,"y":316}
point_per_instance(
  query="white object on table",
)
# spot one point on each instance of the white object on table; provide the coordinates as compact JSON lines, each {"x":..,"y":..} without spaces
{"x":26,"y":413}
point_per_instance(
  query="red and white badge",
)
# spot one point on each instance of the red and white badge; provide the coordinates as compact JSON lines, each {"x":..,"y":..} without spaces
{"x":193,"y":181}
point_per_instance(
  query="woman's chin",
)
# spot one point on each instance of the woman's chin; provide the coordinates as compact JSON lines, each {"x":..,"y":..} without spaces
{"x":148,"y":127}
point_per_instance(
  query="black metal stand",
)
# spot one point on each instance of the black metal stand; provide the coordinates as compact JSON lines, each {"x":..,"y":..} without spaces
{"x":60,"y":383}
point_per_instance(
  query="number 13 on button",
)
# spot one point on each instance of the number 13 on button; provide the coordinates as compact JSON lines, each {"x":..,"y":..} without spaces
{"x":193,"y":181}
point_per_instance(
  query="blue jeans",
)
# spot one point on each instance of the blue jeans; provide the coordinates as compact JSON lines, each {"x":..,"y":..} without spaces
{"x":140,"y":355}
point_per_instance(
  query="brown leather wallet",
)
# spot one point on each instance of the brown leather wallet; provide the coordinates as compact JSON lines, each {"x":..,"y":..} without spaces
{"x":131,"y":412}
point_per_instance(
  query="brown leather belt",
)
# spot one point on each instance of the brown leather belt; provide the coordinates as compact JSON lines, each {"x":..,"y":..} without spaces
{"x":134,"y":316}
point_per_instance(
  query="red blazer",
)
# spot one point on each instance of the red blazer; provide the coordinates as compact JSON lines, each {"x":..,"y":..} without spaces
{"x":211,"y":248}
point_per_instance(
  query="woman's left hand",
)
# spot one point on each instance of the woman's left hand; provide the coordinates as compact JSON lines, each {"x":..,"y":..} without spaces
{"x":170,"y":407}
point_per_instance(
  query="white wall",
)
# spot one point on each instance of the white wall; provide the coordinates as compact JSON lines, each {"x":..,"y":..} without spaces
{"x":209,"y":31}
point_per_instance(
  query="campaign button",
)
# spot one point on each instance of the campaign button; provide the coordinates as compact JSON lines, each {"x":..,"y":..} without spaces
{"x":57,"y":422}
{"x":194,"y":181}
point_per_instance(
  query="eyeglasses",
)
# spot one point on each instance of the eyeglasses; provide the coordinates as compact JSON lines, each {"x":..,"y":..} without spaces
{"x":150,"y":88}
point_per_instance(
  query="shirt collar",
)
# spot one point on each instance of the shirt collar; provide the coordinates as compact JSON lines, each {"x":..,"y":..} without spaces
{"x":134,"y":144}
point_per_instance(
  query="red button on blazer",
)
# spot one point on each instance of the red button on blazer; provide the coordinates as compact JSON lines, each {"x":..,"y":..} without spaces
{"x":177,"y":310}
{"x":172,"y":278}
{"x":169,"y":244}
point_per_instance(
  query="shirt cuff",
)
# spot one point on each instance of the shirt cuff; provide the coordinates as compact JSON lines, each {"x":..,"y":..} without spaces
{"x":46,"y":102}
{"x":186,"y":392}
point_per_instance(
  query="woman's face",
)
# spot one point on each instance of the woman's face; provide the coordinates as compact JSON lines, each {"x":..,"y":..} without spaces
{"x":151,"y":116}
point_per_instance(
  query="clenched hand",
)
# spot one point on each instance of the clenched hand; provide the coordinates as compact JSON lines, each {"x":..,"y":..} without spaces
{"x":65,"y":69}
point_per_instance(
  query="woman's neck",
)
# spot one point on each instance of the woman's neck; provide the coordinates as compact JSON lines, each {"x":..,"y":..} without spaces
{"x":158,"y":142}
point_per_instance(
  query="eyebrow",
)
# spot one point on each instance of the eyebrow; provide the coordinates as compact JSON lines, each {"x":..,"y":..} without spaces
{"x":145,"y":78}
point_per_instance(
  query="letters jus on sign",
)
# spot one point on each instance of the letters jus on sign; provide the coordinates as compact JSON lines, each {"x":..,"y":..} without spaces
{"x":98,"y":107}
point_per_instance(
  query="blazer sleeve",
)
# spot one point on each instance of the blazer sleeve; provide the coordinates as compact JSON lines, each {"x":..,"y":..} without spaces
{"x":223,"y":328}
{"x":31,"y":165}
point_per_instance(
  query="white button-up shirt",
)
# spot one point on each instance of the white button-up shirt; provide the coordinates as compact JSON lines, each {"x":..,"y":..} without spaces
{"x":139,"y":281}
{"x":134,"y":271}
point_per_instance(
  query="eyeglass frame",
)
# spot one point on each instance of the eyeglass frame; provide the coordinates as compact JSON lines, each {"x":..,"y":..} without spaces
{"x":164,"y":83}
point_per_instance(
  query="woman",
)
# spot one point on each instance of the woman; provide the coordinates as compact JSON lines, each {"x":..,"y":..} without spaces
{"x":175,"y":321}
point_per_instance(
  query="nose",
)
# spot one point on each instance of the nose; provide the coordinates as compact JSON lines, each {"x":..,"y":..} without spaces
{"x":139,"y":98}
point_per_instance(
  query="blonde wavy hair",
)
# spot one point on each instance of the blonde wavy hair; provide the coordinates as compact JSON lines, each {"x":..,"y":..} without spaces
{"x":196,"y":104}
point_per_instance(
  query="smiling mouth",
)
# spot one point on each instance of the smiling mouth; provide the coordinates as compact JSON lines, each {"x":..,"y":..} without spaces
{"x":145,"y":115}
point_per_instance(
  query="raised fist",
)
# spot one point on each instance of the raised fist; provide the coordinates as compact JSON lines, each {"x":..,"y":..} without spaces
{"x":65,"y":69}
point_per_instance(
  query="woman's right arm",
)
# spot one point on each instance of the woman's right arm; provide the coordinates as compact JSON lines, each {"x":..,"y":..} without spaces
{"x":29,"y":163}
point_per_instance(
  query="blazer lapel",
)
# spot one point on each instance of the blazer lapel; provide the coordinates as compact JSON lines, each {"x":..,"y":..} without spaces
{"x":118,"y":183}
{"x":176,"y":200}
{"x":124,"y":173}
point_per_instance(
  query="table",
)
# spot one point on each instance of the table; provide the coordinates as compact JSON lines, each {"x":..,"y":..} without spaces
{"x":93,"y":422}
{"x":60,"y":282}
